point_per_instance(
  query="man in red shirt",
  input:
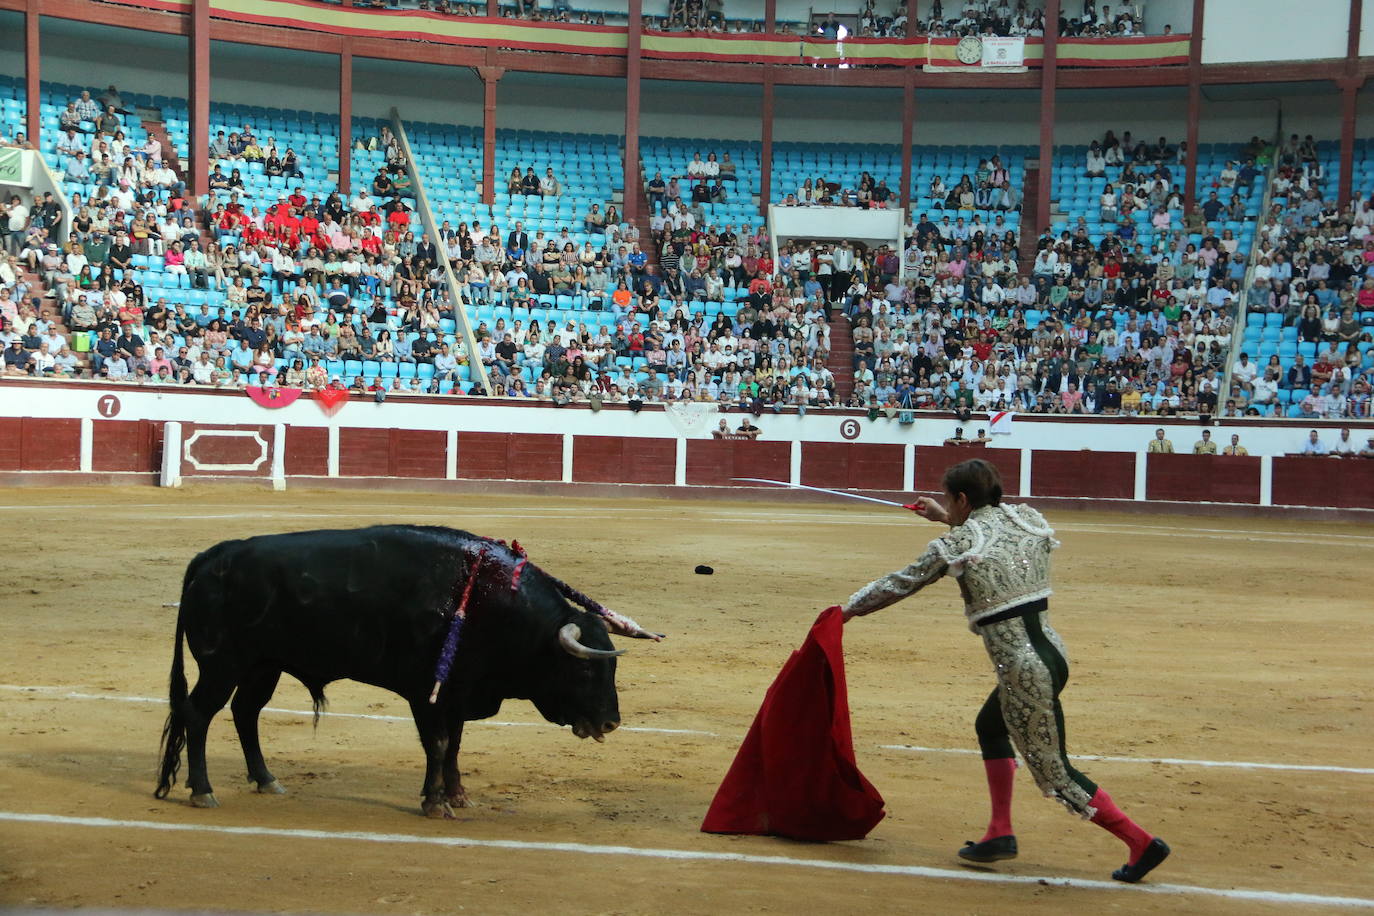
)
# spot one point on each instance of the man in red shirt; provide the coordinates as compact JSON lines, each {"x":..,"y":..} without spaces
{"x":370,"y":242}
{"x":982,"y":348}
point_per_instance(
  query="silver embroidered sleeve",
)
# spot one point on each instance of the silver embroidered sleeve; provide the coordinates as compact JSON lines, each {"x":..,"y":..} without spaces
{"x":895,"y":586}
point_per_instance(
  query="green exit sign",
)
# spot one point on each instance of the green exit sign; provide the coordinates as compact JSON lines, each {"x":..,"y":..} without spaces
{"x":12,"y":166}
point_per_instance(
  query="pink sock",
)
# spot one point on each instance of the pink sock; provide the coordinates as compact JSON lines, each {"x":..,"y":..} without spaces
{"x":1001,"y":773}
{"x":1110,"y":818}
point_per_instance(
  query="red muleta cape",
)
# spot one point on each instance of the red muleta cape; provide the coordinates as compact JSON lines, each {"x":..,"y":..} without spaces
{"x":795,"y":775}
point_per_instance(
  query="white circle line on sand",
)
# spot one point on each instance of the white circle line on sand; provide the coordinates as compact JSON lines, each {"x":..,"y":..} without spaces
{"x":695,"y":855}
{"x":1171,"y":761}
{"x":63,"y":693}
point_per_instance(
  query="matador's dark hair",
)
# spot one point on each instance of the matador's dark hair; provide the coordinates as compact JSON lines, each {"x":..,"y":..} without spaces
{"x":978,"y":479}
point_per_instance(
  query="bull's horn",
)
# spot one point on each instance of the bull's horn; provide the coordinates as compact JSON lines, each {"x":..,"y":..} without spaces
{"x":568,"y":638}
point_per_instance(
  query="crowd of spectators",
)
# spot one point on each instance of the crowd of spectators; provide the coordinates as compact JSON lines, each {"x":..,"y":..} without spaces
{"x":867,"y":192}
{"x":904,"y":18}
{"x":310,"y":283}
{"x":1108,"y":327}
{"x":703,"y":180}
{"x":1315,"y":268}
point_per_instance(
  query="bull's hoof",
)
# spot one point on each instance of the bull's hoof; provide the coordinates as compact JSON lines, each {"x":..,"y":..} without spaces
{"x":271,"y":788}
{"x":437,"y":809}
{"x":204,"y":800}
{"x":459,"y":799}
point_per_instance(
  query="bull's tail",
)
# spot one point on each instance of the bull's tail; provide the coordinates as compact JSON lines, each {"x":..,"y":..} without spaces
{"x":174,"y":730}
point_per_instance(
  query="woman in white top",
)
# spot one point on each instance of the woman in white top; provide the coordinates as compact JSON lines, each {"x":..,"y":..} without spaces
{"x":711,"y":167}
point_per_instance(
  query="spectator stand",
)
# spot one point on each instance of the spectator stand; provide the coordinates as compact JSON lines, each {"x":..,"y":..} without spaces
{"x":1305,"y":221}
{"x":13,"y":105}
{"x":671,"y":157}
{"x":431,"y":228}
{"x":1160,"y":226}
{"x":1249,"y":336}
{"x":842,"y":166}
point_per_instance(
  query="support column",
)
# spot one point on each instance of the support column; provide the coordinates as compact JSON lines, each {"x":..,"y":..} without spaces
{"x":908,"y":114}
{"x":1350,"y":94}
{"x":490,"y":77}
{"x":1194,"y":105}
{"x":908,"y":125}
{"x":1048,"y":76}
{"x":634,"y":33}
{"x":1350,"y":90}
{"x":199,"y":97}
{"x":770,"y":27}
{"x":346,"y":118}
{"x":766,"y":147}
{"x":32,"y":73}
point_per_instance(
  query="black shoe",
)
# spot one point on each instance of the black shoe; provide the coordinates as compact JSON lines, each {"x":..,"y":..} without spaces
{"x":993,"y":850}
{"x":1155,"y":853}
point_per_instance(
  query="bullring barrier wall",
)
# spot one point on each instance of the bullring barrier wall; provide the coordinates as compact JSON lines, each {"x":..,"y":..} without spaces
{"x":139,"y":434}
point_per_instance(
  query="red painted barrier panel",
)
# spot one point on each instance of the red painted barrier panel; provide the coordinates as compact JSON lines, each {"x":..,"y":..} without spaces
{"x":364,"y":452}
{"x":536,"y":456}
{"x":1202,"y":478}
{"x":126,"y":445}
{"x":852,"y":465}
{"x":419,"y":453}
{"x":1083,"y":474}
{"x":50,"y":444}
{"x":11,"y":444}
{"x":307,"y":451}
{"x":619,"y":459}
{"x":40,"y":444}
{"x":1342,"y":483}
{"x":231,"y":451}
{"x":716,"y":462}
{"x":932,"y":460}
{"x":483,"y":456}
{"x":510,"y":456}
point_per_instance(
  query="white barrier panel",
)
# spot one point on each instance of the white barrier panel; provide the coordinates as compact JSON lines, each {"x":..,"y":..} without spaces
{"x":875,"y":227}
{"x":171,"y":455}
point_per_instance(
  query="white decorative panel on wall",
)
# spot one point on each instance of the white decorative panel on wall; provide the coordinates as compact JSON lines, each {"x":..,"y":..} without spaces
{"x":1236,"y":31}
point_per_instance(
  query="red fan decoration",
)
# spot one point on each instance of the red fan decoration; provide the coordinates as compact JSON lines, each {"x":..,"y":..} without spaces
{"x":273,"y":398}
{"x":795,"y":775}
{"x":331,"y":399}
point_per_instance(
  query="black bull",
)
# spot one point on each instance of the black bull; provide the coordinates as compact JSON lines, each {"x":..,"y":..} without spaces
{"x":374,"y":605}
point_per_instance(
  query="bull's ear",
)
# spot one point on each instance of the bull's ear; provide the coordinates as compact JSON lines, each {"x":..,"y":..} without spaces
{"x":568,"y":637}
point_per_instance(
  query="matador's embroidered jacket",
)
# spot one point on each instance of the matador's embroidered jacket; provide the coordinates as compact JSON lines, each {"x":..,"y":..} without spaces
{"x":1000,"y":556}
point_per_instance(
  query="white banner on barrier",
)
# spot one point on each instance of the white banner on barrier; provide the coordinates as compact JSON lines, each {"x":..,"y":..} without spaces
{"x":1004,"y":52}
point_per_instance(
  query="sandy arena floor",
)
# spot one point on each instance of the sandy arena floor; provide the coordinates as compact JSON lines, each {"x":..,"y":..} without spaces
{"x":1212,"y":642}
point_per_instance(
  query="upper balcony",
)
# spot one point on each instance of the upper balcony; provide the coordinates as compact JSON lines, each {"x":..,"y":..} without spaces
{"x":1234,"y":45}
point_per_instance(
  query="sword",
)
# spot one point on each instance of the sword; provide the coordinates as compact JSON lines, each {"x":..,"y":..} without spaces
{"x":914,"y":507}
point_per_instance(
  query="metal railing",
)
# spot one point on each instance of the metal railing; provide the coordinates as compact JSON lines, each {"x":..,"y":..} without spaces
{"x":1238,"y":331}
{"x":460,"y":315}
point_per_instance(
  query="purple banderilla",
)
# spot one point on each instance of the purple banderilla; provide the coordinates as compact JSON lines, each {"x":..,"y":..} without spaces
{"x":455,"y":629}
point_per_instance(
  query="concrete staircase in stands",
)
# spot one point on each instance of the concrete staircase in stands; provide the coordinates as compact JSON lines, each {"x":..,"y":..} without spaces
{"x":49,"y":308}
{"x":841,"y":360}
{"x":152,"y":123}
{"x":641,"y":201}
